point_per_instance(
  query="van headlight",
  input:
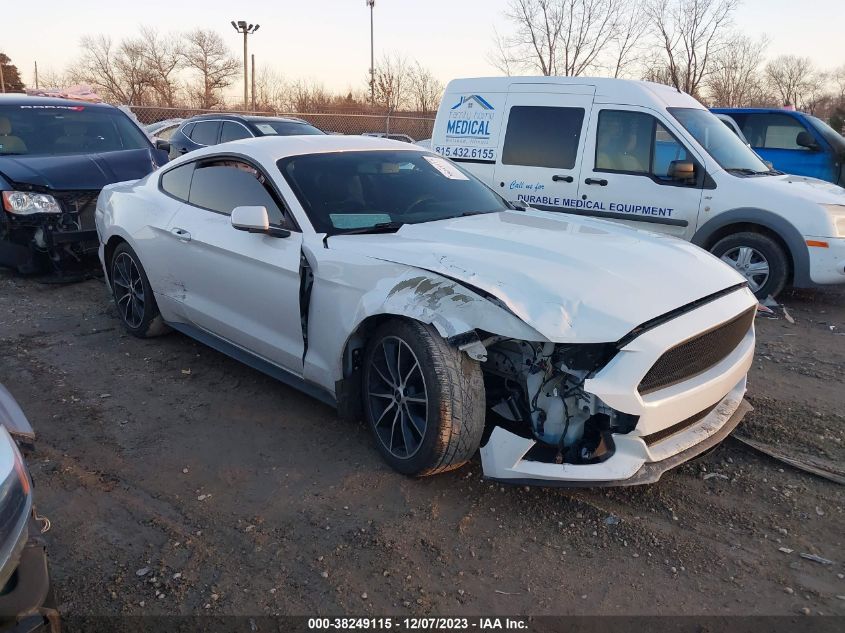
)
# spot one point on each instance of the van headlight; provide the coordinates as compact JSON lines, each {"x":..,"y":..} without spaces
{"x":837,"y":216}
{"x":29,"y":203}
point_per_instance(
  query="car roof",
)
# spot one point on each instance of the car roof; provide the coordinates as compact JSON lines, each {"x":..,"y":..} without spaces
{"x":607,"y":90}
{"x":269,"y":149}
{"x":759,"y":111}
{"x":251,"y":118}
{"x":18,"y":99}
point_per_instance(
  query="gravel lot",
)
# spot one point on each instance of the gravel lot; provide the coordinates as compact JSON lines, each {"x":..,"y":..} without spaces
{"x":181,"y":482}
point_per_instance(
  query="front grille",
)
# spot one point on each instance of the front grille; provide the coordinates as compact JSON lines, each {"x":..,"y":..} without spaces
{"x":81,"y":206}
{"x":697,"y":354}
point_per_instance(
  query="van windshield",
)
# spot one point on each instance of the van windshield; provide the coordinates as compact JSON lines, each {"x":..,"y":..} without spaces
{"x":721,"y":143}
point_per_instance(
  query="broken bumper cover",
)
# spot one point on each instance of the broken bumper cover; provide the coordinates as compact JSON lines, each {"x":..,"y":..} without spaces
{"x":503,"y":457}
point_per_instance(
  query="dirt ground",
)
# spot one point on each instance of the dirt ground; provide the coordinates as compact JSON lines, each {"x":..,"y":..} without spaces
{"x":179,"y":481}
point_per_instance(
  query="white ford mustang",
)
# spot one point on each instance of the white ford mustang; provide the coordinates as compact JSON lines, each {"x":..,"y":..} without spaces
{"x":386,"y":280}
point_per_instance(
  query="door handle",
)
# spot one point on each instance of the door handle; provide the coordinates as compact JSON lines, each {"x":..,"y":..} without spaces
{"x":558,"y":178}
{"x":596,"y":181}
{"x":182,"y":234}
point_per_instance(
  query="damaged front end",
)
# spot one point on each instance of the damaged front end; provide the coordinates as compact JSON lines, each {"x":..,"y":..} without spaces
{"x":48,"y":231}
{"x":616,"y":413}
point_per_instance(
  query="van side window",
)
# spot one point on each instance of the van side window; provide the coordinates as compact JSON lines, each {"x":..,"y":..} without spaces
{"x":636,"y":143}
{"x":773,"y":131}
{"x":541,"y":136}
{"x":222,"y":184}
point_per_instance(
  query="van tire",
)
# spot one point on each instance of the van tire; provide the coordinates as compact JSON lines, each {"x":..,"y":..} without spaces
{"x":735,"y":250}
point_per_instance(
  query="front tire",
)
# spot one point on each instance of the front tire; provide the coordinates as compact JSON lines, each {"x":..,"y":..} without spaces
{"x":758,"y":258}
{"x":423,"y":399}
{"x":133,"y":296}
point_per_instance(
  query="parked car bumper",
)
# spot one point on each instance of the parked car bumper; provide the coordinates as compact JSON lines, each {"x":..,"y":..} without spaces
{"x":26,"y":602}
{"x":827,"y":264}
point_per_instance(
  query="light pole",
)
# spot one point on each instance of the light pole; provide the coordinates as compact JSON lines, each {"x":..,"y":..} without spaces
{"x":372,"y":4}
{"x":247,"y":29}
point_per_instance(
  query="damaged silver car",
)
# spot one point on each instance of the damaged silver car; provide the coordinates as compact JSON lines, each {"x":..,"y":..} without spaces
{"x":388,"y":281}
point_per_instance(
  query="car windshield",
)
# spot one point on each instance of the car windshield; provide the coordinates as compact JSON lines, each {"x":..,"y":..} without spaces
{"x":38,"y":130}
{"x":270,"y":127}
{"x":830,"y":135}
{"x":364,"y":190}
{"x":721,"y":143}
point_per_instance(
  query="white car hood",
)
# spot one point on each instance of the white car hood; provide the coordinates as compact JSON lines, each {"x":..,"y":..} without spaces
{"x":804,"y":187}
{"x":571,"y":279}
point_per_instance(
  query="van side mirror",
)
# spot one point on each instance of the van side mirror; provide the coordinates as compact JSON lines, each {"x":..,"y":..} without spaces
{"x":255,"y":220}
{"x":682,"y":171}
{"x":805,"y":139}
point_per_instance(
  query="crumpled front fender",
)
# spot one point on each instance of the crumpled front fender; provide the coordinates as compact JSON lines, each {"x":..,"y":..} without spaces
{"x":349,"y":291}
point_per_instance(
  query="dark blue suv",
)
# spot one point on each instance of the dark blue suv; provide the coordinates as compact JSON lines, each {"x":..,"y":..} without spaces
{"x":55,"y":157}
{"x":211,"y":129}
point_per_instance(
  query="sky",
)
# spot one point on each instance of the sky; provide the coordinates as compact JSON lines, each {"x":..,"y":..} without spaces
{"x":329,"y":40}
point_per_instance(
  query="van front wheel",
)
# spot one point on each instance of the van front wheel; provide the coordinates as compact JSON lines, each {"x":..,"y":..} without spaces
{"x":758,"y":258}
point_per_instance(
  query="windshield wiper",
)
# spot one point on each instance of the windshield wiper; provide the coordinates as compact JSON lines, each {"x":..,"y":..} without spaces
{"x":750,"y":172}
{"x":381,"y":227}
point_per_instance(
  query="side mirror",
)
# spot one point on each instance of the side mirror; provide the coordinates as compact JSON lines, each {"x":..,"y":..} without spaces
{"x":255,"y":220}
{"x":682,"y":171}
{"x":163,"y":145}
{"x":805,"y":139}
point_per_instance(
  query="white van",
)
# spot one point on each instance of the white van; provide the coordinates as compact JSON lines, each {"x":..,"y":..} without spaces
{"x":651,"y":157}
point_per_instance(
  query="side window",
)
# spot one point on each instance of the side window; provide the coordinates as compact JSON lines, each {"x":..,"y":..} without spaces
{"x":773,"y":131}
{"x":636,"y":143}
{"x":177,"y":182}
{"x":221,"y":185}
{"x":233,"y":131}
{"x":666,"y":150}
{"x":541,"y":136}
{"x":189,"y":127}
{"x":205,"y":132}
{"x":623,"y":141}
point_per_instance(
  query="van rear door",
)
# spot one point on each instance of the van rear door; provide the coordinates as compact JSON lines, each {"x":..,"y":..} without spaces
{"x":541,"y":144}
{"x":627,"y":170}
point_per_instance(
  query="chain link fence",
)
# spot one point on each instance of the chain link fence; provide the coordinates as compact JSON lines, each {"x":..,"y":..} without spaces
{"x":417,"y":127}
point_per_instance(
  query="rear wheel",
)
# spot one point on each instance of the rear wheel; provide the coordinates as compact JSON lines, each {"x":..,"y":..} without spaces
{"x":133,"y":296}
{"x":423,"y":399}
{"x":758,"y":258}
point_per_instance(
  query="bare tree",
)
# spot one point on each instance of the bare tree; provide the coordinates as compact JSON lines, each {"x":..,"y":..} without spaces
{"x":118,"y":73}
{"x":208,"y":56}
{"x":307,"y":96}
{"x":271,"y":90}
{"x":690,"y":33}
{"x":392,"y":82}
{"x":425,"y":89}
{"x":736,"y":80}
{"x":627,"y":45}
{"x":164,"y":59}
{"x":795,"y":81}
{"x":568,"y":37}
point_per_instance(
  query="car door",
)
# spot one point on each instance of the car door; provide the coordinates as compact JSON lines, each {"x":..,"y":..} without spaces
{"x":774,"y":136}
{"x":540,"y":149}
{"x":242,"y":287}
{"x":626,"y":172}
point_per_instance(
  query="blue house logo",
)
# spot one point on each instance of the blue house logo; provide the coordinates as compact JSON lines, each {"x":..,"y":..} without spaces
{"x":471,"y":101}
